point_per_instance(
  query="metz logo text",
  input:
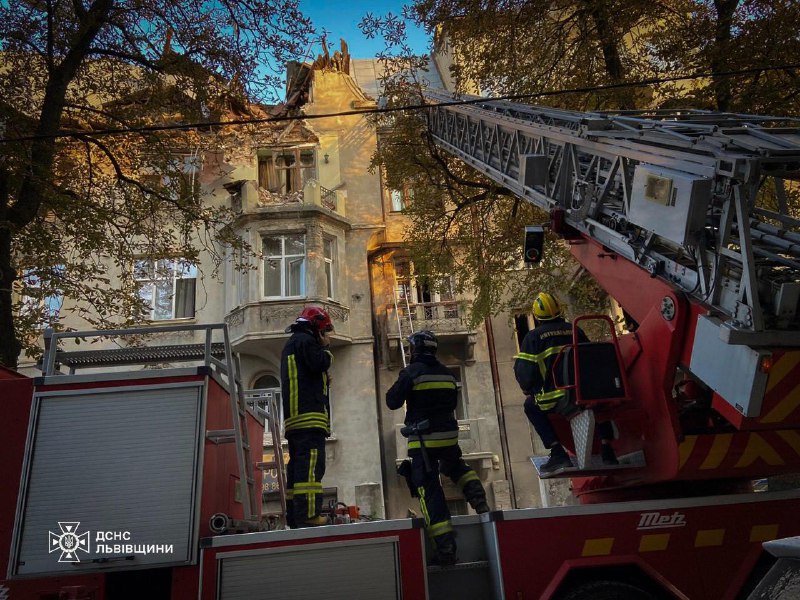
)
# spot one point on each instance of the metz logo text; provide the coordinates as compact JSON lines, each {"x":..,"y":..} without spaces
{"x":69,"y":542}
{"x":655,"y":520}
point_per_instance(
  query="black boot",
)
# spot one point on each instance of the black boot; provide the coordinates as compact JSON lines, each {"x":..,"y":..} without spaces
{"x":608,"y":455}
{"x":446,"y":551}
{"x":476,"y":496}
{"x":558,"y":460}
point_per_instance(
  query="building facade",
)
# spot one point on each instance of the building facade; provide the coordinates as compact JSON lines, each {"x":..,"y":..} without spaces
{"x":324,"y":230}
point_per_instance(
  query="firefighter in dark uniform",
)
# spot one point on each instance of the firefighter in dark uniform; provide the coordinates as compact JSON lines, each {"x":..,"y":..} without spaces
{"x":533,"y":370}
{"x":429,"y":391}
{"x":306,"y":414}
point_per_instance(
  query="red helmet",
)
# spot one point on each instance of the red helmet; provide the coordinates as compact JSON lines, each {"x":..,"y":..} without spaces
{"x":316,"y":316}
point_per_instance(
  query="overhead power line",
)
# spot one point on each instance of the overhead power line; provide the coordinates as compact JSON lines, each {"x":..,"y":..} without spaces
{"x":411,"y":107}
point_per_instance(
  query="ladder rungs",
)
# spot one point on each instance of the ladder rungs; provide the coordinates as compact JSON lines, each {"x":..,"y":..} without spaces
{"x":221,"y":436}
{"x":266,"y":466}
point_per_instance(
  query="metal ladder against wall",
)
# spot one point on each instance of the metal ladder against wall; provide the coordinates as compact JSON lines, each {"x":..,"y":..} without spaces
{"x":396,"y":293}
{"x":244,"y":455}
{"x":272,"y":418}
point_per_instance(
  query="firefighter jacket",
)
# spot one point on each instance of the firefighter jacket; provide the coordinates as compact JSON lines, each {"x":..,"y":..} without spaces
{"x":430,"y":392}
{"x":304,"y":382}
{"x":533,"y":366}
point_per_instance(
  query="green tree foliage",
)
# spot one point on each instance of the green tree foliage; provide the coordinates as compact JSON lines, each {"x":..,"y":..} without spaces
{"x":75,"y":210}
{"x":465,"y":224}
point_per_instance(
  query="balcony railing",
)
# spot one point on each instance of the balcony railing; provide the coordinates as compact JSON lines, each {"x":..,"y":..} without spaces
{"x":327,"y":198}
{"x":441,"y":317}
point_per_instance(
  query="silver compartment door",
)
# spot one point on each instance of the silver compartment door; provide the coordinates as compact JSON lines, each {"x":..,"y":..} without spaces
{"x":121,"y":460}
{"x":365,"y":569}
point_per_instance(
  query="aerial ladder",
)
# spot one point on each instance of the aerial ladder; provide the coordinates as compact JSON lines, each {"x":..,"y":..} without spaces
{"x":683,"y":217}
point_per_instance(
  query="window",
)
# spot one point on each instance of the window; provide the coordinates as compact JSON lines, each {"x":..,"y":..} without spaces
{"x":461,"y":407}
{"x":178,"y":177}
{"x":428,"y":298}
{"x":522,"y":327}
{"x":285,"y":265}
{"x":401,"y":198}
{"x":264,"y":389}
{"x":43,"y":298}
{"x":397,"y":200}
{"x":168,"y":287}
{"x":329,"y":254}
{"x":285,"y":171}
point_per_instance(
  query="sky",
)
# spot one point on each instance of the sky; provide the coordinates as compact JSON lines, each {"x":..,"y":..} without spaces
{"x":340,"y":18}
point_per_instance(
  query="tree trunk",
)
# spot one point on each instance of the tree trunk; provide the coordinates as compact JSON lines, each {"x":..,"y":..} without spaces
{"x":39,"y":174}
{"x":9,"y":344}
{"x":721,"y":51}
{"x":609,"y":44}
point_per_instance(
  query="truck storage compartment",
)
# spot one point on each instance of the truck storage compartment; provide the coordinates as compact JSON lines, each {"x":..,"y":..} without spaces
{"x":110,"y":478}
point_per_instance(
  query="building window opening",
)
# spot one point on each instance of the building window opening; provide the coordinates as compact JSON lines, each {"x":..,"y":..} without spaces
{"x":401,"y":198}
{"x":329,"y":255}
{"x":284,"y":265}
{"x":41,"y":298}
{"x":521,"y":327}
{"x":286,"y":171}
{"x":168,"y":287}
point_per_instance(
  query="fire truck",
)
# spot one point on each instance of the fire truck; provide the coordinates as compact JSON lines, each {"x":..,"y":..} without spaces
{"x":141,"y":483}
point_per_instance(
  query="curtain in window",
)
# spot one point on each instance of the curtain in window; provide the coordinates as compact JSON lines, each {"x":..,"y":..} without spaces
{"x":267,"y":174}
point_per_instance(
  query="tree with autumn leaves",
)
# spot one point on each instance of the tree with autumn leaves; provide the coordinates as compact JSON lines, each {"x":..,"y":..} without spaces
{"x":470,"y":227}
{"x":92,"y":176}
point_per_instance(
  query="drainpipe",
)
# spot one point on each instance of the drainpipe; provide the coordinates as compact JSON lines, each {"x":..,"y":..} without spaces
{"x":501,"y":418}
{"x":371,"y":256}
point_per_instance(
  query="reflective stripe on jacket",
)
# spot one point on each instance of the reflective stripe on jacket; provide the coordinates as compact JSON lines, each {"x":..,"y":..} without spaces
{"x":534,"y":364}
{"x":429,"y":391}
{"x":304,"y":383}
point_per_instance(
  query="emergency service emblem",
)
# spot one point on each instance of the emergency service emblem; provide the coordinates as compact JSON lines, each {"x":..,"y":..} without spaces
{"x":69,"y":541}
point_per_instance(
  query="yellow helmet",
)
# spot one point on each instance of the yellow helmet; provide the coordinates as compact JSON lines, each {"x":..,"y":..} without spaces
{"x":546,"y":307}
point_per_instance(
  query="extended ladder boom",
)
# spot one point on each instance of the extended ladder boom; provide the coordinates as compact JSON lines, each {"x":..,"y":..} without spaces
{"x":695,"y":197}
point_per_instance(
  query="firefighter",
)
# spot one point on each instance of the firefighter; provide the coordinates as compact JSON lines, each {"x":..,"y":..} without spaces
{"x":305,"y":361}
{"x":533,"y":370}
{"x":430,"y":393}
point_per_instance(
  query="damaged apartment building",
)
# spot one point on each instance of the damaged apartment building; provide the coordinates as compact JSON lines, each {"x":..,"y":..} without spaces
{"x":325,"y":230}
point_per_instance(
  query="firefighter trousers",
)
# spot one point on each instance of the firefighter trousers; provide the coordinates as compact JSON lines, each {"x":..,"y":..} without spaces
{"x":547,"y":433}
{"x":304,"y":473}
{"x":447,"y":461}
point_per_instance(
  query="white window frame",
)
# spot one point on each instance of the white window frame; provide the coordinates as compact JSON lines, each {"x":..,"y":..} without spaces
{"x":281,"y":260}
{"x":331,"y":274}
{"x":177,"y":271}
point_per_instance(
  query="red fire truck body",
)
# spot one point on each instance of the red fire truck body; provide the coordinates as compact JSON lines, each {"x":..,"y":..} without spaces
{"x":704,"y":547}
